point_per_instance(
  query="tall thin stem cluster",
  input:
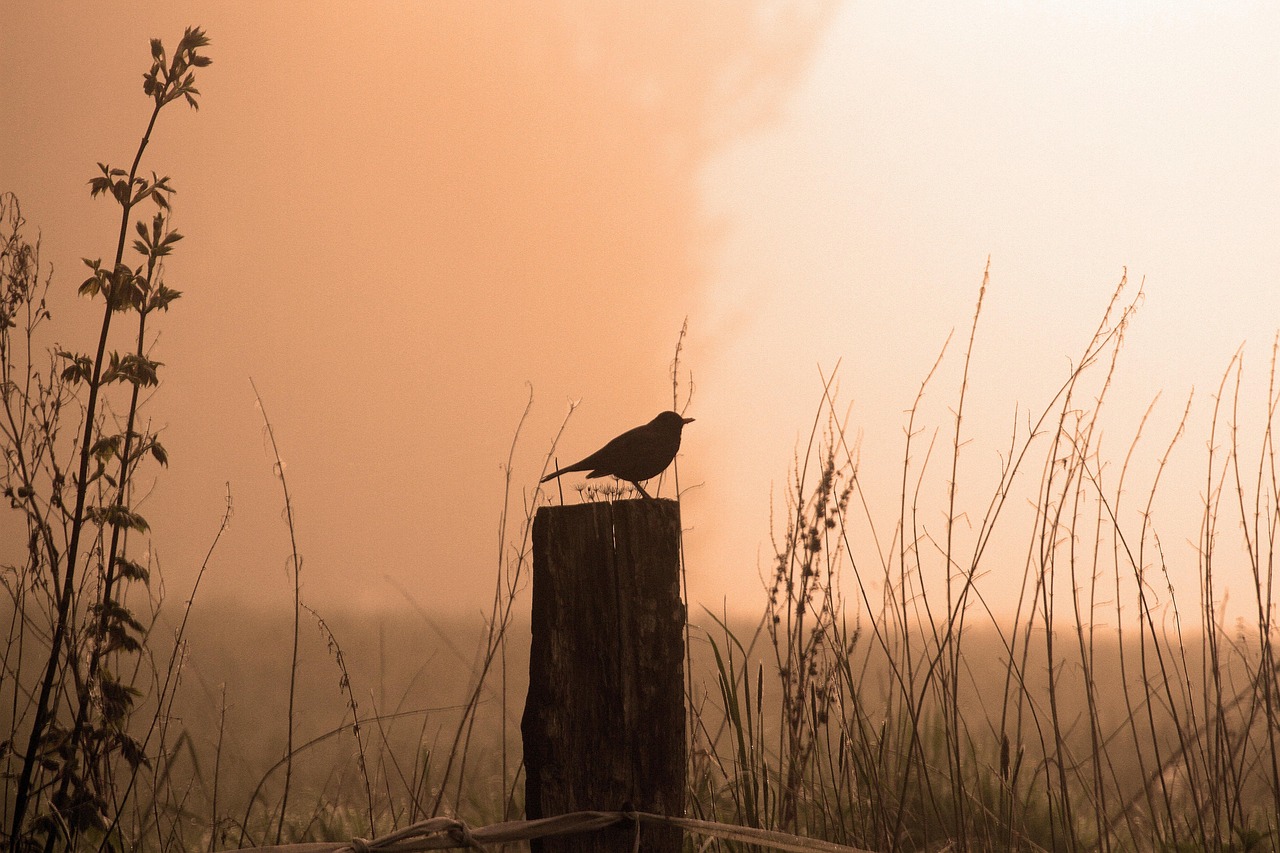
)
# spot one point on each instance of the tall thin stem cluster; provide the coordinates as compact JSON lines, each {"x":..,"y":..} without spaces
{"x":77,"y":511}
{"x":1091,"y":716}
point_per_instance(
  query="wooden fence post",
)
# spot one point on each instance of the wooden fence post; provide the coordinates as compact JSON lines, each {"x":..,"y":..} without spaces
{"x":604,"y":722}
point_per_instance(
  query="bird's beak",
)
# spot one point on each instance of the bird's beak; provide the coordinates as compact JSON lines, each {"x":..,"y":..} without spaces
{"x":688,"y":420}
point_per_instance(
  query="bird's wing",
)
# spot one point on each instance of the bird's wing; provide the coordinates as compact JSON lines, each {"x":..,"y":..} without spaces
{"x":604,"y":458}
{"x":618,"y":452}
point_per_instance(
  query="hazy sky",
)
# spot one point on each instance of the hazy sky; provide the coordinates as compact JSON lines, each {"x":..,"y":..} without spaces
{"x":402,"y":215}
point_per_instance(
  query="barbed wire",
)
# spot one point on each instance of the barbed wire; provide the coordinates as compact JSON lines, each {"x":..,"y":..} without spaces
{"x":442,"y":833}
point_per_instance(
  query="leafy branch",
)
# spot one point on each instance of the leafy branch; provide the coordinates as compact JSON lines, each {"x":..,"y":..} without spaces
{"x":70,"y":766}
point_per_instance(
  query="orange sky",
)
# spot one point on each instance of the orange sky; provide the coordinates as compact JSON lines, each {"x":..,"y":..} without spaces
{"x":399,"y":215}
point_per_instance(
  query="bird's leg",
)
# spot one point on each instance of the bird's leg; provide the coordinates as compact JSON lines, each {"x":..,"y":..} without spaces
{"x":641,"y":488}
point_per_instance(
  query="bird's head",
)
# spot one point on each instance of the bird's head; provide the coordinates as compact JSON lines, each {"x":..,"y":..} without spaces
{"x":672,"y":421}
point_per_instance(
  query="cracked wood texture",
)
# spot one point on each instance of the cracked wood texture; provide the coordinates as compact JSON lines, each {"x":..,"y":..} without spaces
{"x":604,"y":722}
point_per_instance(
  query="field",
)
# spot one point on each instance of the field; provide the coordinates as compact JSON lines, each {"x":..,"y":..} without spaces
{"x":878,"y":701}
{"x":1145,"y":752}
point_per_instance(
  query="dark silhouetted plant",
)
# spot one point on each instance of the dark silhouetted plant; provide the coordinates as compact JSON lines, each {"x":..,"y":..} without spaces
{"x":71,"y":760}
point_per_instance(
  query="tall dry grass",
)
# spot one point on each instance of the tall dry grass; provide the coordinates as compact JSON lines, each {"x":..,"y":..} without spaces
{"x":1105,"y":712}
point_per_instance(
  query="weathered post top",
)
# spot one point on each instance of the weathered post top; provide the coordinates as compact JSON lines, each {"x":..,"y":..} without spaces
{"x":604,"y":722}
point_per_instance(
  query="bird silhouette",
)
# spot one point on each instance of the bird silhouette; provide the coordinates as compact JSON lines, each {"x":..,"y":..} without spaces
{"x":638,"y":454}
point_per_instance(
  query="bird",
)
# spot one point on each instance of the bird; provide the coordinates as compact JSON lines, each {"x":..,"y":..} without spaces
{"x":638,"y":454}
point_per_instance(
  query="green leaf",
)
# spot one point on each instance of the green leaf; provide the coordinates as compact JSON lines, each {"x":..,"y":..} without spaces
{"x":117,"y":515}
{"x":106,"y":448}
{"x":133,"y":368}
{"x":159,"y":453}
{"x":80,"y":368}
{"x":193,"y":38}
{"x":116,"y":699}
{"x":162,"y":296}
{"x":144,"y":245}
{"x":131,"y":571}
{"x":131,"y":751}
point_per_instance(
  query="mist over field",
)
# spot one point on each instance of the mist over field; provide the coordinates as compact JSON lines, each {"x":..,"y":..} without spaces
{"x":411,"y":674}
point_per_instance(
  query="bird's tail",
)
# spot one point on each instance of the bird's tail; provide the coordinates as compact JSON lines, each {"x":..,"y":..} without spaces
{"x":568,"y":469}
